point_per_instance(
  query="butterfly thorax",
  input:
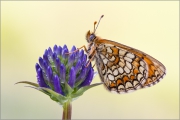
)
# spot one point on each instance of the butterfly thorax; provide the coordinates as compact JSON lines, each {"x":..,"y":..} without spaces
{"x":92,"y":46}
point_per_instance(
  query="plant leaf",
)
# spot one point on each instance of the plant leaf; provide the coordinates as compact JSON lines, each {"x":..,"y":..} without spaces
{"x":83,"y":89}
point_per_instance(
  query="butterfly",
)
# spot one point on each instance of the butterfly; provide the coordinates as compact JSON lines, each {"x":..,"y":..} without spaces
{"x":122,"y":68}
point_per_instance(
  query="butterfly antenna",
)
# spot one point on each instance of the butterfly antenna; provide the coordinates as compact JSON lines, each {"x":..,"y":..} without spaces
{"x":94,"y":26}
{"x":98,"y":23}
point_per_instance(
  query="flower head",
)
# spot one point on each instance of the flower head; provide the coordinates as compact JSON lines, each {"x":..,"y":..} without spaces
{"x":58,"y":67}
{"x":62,"y":74}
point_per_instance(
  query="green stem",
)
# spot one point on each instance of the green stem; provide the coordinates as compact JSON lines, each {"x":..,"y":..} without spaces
{"x":67,"y":109}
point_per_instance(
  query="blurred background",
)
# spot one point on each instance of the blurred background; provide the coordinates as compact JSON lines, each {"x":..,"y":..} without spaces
{"x":28,"y":28}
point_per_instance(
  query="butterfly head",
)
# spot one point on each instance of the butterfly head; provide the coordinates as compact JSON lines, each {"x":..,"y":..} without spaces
{"x":90,"y":36}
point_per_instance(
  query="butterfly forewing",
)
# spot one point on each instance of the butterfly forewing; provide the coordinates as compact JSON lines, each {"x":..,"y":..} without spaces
{"x":124,"y":69}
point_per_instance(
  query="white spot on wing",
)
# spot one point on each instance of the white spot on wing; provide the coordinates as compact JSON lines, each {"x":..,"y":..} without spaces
{"x":143,"y":81}
{"x":102,"y":56}
{"x":128,"y":65}
{"x":128,"y":59}
{"x":109,"y":50}
{"x":135,"y":83}
{"x":109,"y":71}
{"x":113,"y":67}
{"x":109,"y":45}
{"x":111,"y":77}
{"x":120,"y":87}
{"x":128,"y":85}
{"x":126,"y":69}
{"x":107,"y":55}
{"x":115,"y":72}
{"x":105,"y":60}
{"x":141,"y":69}
{"x":139,"y":77}
{"x":120,"y":70}
{"x":130,"y":55}
{"x":156,"y":73}
{"x":121,"y":64}
{"x":112,"y":58}
{"x":122,"y":52}
{"x":142,"y":63}
{"x":103,"y":71}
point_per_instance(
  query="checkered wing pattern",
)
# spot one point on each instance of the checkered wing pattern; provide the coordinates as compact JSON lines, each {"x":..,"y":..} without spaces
{"x":124,"y":69}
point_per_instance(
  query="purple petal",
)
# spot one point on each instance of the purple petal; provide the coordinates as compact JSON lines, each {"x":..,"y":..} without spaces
{"x":37,"y":67}
{"x":45,"y":57}
{"x":59,"y":51}
{"x":62,"y":73}
{"x":65,"y":47}
{"x":46,"y":52}
{"x":40,"y":79}
{"x":45,"y":64}
{"x":84,"y":58}
{"x":81,"y":54}
{"x":89,"y":78}
{"x":88,"y":68}
{"x":49,"y":74}
{"x":71,"y":59}
{"x":72,"y":77}
{"x":78,"y":66}
{"x":73,"y":49}
{"x":57,"y":85}
{"x":82,"y":74}
{"x":58,"y":63}
{"x":55,"y":48}
{"x":64,"y":51}
{"x":41,"y":62}
{"x":50,"y":51}
{"x":75,"y":53}
{"x":54,"y":56}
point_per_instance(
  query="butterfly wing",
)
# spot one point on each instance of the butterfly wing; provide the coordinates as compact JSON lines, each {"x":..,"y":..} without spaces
{"x":124,"y":69}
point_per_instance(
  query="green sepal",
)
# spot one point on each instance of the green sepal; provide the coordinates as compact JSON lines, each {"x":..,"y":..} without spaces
{"x":53,"y":95}
{"x":78,"y":83}
{"x":80,"y":91}
{"x":68,"y":89}
{"x":33,"y":84}
{"x":27,"y":82}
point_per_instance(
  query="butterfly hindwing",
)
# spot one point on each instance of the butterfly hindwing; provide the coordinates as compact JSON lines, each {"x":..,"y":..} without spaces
{"x":124,"y":69}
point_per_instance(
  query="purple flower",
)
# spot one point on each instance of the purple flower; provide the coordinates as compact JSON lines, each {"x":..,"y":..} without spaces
{"x":40,"y":78}
{"x":72,"y":77}
{"x":57,"y":68}
{"x":57,"y":85}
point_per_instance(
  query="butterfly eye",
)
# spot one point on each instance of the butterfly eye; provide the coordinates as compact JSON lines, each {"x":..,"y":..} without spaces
{"x":92,"y":37}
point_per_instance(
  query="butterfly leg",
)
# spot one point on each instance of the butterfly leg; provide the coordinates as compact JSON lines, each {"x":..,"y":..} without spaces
{"x":94,"y":65}
{"x":91,"y":60}
{"x":78,"y":49}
